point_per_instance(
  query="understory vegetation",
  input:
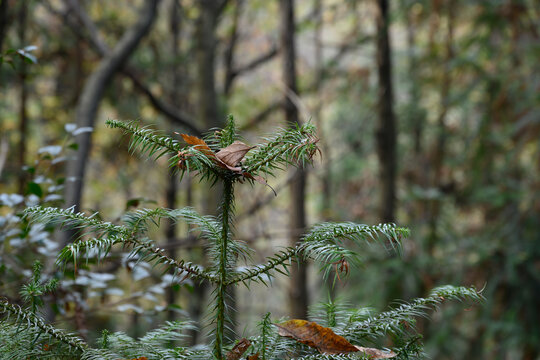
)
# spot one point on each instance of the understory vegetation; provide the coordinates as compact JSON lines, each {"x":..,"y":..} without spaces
{"x":333,"y":330}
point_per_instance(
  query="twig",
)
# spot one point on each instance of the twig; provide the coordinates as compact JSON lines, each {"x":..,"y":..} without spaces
{"x":263,"y":115}
{"x":100,"y":47}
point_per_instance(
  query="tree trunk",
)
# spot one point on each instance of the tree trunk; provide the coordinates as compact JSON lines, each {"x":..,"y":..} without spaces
{"x":172,"y":178}
{"x":91,"y":96}
{"x":386,"y":131}
{"x":298,"y":294}
{"x":23,"y":97}
{"x":208,"y":116}
{"x":229,"y":52}
{"x":326,"y":181}
{"x":3,"y":22}
{"x":442,"y":134}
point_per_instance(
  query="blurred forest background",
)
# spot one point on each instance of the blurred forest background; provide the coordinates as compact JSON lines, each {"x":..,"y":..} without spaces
{"x":428,"y":114}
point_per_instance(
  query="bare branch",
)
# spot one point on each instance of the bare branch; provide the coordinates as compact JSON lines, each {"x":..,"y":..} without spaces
{"x":90,"y":33}
{"x":92,"y":93}
{"x":258,"y":61}
{"x":262,"y":115}
{"x":229,"y":52}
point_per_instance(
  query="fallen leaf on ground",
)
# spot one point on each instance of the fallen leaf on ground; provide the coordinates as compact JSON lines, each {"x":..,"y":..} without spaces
{"x":238,"y":350}
{"x":315,"y":335}
{"x":376,"y":353}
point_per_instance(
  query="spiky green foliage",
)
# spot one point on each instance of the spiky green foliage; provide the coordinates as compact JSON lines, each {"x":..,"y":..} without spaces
{"x":33,"y":291}
{"x":105,"y":235}
{"x":24,"y":329}
{"x":325,"y":242}
{"x":350,"y":356}
{"x":287,"y":147}
{"x":153,"y":345}
{"x":328,"y":244}
{"x":402,"y":318}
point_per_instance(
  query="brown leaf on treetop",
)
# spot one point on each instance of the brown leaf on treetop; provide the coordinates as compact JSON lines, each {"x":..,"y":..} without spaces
{"x":376,"y":353}
{"x":234,"y":153}
{"x":315,"y":335}
{"x":199,"y":143}
{"x":238,"y":350}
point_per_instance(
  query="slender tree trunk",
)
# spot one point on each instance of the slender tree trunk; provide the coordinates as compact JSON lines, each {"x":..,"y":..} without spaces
{"x":298,"y":294}
{"x":442,"y":134}
{"x":90,"y":98}
{"x":3,"y":22}
{"x":172,"y":179}
{"x":326,"y":181}
{"x":317,"y":111}
{"x":208,"y":116}
{"x":386,"y":131}
{"x":229,"y":53}
{"x":23,"y":97}
{"x":205,"y":54}
{"x":418,"y":119}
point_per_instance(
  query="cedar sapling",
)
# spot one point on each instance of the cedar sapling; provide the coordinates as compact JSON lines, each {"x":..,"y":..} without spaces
{"x":338,"y":333}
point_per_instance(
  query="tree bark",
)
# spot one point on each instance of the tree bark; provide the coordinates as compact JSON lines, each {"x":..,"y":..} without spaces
{"x":298,"y":294}
{"x":3,"y":22}
{"x":91,"y":96}
{"x":208,"y":116}
{"x":172,"y":113}
{"x":23,"y":97}
{"x":442,"y":133}
{"x":229,"y":52}
{"x":386,"y":131}
{"x":172,"y":178}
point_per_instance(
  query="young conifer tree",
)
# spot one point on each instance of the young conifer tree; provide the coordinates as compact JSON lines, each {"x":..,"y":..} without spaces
{"x":337,"y":333}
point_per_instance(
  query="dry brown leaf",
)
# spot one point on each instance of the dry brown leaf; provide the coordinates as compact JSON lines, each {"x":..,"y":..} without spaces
{"x":376,"y":353}
{"x":239,"y":349}
{"x":258,"y":179}
{"x":253,"y":357}
{"x":234,"y":153}
{"x":315,"y":335}
{"x":199,"y":143}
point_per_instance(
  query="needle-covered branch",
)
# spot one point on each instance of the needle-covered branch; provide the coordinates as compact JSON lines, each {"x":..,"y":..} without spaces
{"x":288,"y":147}
{"x":325,"y":242}
{"x":16,"y":315}
{"x":261,"y":273}
{"x":148,"y":141}
{"x":403,"y":317}
{"x":107,"y":234}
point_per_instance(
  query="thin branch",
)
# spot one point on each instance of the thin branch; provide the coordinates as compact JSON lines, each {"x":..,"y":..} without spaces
{"x":258,"y":61}
{"x":262,"y":202}
{"x":172,"y":113}
{"x":33,"y":321}
{"x":263,"y":115}
{"x":229,"y":52}
{"x":256,"y":272}
{"x":90,"y":33}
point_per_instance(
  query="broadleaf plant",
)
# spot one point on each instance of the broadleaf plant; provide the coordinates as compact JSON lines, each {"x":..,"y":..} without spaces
{"x":220,"y":157}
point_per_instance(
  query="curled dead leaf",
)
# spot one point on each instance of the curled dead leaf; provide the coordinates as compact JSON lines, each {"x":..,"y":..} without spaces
{"x":376,"y":353}
{"x":182,"y":157}
{"x":258,"y":179}
{"x":200,"y":144}
{"x":253,"y":357}
{"x":341,"y":267}
{"x":315,"y":335}
{"x":238,"y":350}
{"x":234,"y":153}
